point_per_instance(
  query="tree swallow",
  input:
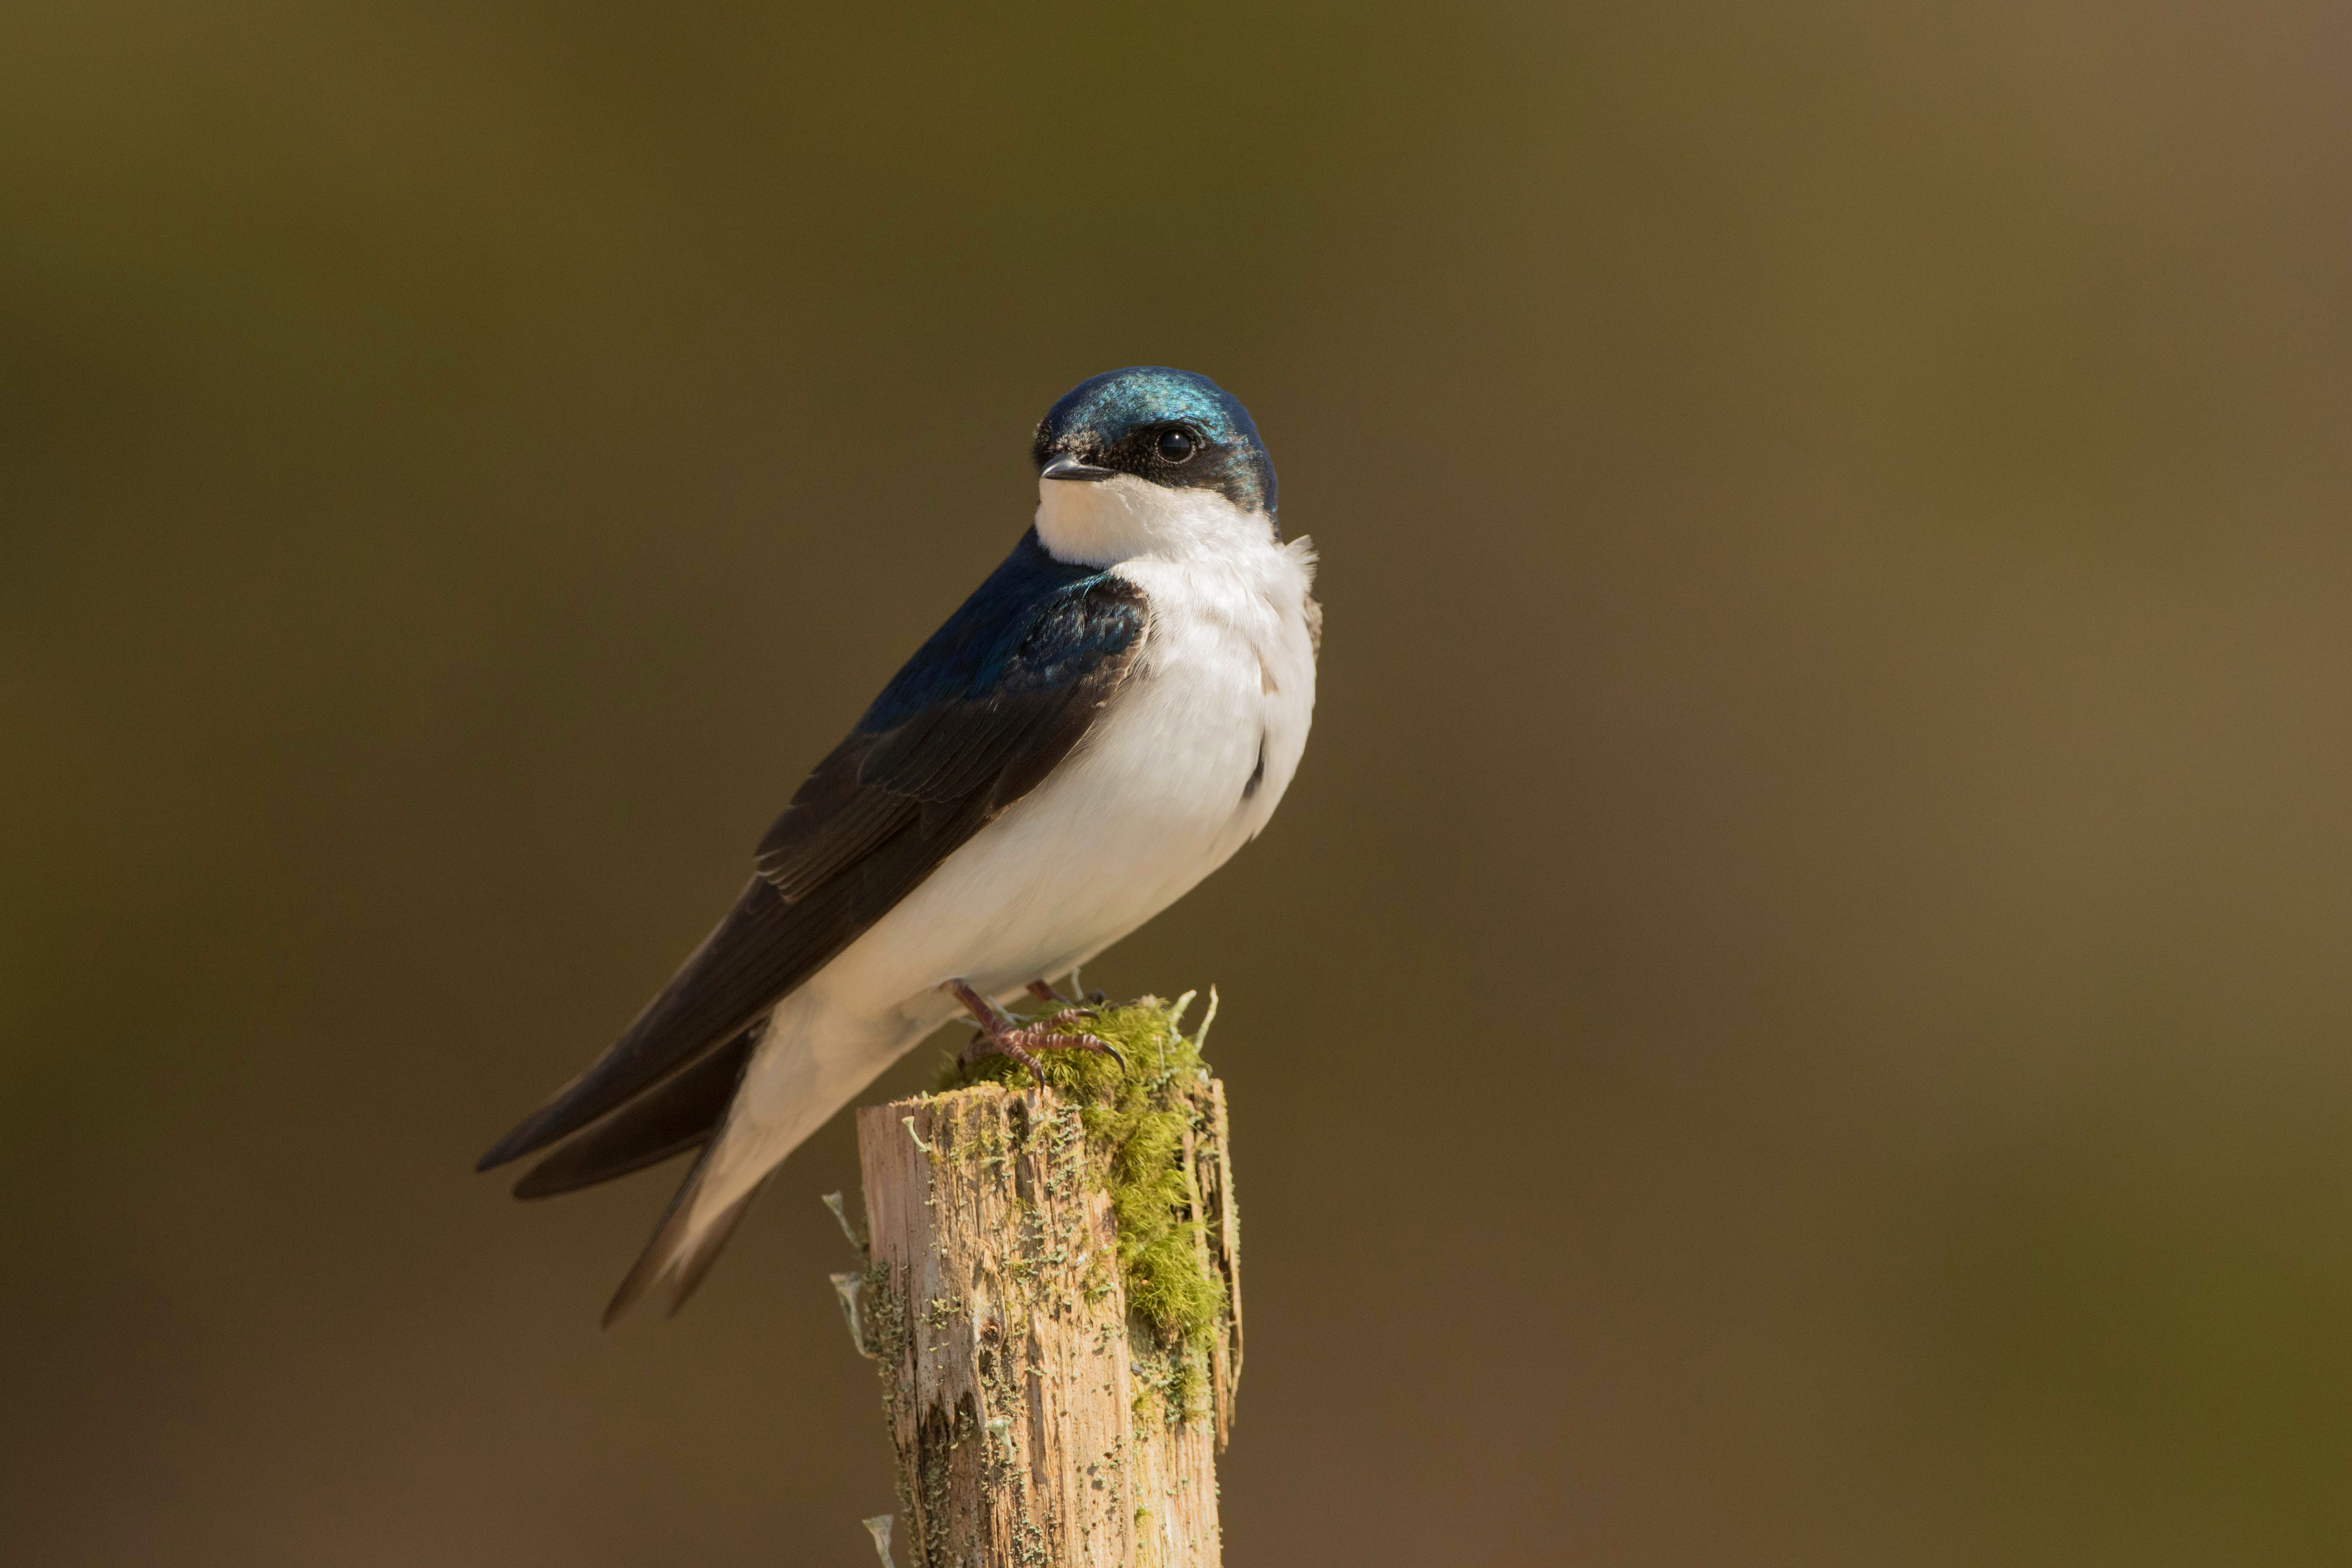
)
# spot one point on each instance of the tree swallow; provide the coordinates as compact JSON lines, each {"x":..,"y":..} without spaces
{"x":1110,"y":715}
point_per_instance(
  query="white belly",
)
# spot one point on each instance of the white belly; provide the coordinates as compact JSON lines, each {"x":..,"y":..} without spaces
{"x":1157,"y":795}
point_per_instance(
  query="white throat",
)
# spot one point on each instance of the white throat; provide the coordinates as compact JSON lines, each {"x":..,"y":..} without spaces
{"x":1101,"y":523}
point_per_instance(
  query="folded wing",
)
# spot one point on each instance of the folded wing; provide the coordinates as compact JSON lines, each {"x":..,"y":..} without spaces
{"x":988,"y":708}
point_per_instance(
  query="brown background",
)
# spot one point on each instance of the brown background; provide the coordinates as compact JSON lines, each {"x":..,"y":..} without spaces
{"x":1795,"y":1014}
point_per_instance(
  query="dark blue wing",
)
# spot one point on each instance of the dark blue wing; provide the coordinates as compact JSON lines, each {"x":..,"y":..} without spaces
{"x":977,"y":718}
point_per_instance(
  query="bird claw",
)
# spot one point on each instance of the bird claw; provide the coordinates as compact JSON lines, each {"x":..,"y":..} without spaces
{"x":1096,"y":1043}
{"x":1001,"y":1037}
{"x":1022,"y":1045}
{"x":987,"y":1045}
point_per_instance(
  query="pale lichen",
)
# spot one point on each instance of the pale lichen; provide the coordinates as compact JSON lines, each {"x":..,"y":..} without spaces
{"x":1136,"y":1118}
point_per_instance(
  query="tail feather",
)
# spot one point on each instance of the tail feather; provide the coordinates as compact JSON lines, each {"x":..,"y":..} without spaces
{"x":808,"y":1063}
{"x":704,"y":1249}
{"x":680,"y":1250}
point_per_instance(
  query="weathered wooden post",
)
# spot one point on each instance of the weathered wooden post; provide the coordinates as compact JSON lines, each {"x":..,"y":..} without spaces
{"x":1054,"y":1296}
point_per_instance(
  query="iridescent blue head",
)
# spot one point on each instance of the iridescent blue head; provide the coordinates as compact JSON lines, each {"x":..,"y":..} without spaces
{"x":1165,"y":427}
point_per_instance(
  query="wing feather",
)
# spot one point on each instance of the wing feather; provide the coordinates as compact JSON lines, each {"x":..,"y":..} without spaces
{"x":992,"y":704}
{"x":683,"y":1111}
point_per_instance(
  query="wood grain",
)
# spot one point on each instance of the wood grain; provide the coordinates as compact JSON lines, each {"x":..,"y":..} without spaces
{"x":1029,"y":1425}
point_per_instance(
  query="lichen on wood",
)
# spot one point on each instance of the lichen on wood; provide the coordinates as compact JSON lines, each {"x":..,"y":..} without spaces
{"x":1054,"y":1301}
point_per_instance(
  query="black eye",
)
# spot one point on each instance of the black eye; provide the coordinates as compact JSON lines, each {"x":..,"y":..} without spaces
{"x":1177,"y":446}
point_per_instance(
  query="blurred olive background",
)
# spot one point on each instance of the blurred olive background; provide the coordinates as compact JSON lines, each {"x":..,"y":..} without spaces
{"x":1796,"y":1013}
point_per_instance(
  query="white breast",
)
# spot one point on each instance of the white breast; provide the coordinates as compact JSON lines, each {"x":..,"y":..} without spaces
{"x":1160,"y":793}
{"x":1207,"y":735}
{"x":1157,"y":795}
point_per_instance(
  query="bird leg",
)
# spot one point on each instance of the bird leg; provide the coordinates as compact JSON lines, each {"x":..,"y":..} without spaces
{"x":1073,"y":1007}
{"x":1047,"y":991}
{"x":1001,"y":1035}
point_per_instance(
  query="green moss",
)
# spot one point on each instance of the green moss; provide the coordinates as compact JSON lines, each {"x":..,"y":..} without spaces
{"x":1135,"y":1118}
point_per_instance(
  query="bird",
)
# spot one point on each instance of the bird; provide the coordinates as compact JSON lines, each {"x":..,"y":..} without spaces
{"x":1115,"y":709}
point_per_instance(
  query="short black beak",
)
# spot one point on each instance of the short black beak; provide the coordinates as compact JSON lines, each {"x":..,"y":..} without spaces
{"x":1065,"y":467}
